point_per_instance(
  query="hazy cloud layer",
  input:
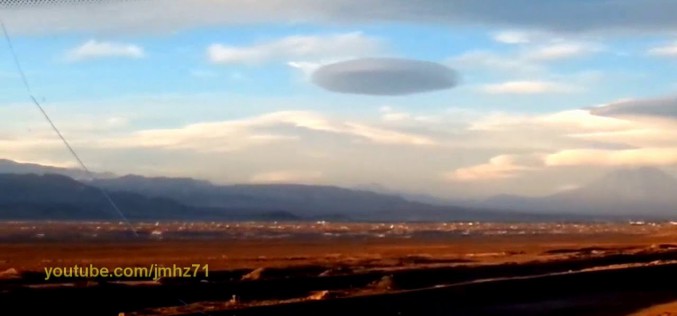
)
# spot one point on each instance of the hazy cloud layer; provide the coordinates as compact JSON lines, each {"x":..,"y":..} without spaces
{"x":384,"y":76}
{"x":628,"y":16}
{"x":266,"y":129}
{"x":528,"y":57}
{"x":527,"y":64}
{"x":456,"y":150}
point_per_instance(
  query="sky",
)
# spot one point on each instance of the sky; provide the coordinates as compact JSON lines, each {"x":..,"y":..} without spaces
{"x":450,"y":98}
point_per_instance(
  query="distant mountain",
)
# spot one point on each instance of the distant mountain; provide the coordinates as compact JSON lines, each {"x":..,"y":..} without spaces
{"x":307,"y":201}
{"x":413,"y":197}
{"x":639,"y":185}
{"x":627,"y":192}
{"x":13,"y":167}
{"x":30,"y":196}
{"x":57,"y":197}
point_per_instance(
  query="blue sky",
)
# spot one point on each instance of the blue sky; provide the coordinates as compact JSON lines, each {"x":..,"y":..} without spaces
{"x":178,"y":64}
{"x":226,"y":92}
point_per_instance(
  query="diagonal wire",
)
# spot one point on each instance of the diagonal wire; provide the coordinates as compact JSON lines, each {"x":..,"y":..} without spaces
{"x":58,"y":132}
{"x":82,"y":164}
{"x":84,"y":167}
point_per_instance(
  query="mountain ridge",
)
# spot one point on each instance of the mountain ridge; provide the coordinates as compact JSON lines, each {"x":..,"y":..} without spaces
{"x":58,"y":197}
{"x":624,"y":192}
{"x":50,"y":196}
{"x":629,"y":191}
{"x":13,"y":167}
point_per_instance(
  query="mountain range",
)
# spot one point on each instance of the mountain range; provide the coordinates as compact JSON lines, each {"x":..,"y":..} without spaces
{"x":31,"y":191}
{"x":58,"y":197}
{"x":42,"y":194}
{"x":639,"y":192}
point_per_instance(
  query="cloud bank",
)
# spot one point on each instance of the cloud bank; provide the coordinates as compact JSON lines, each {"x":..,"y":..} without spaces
{"x":454,"y":151}
{"x":629,"y":16}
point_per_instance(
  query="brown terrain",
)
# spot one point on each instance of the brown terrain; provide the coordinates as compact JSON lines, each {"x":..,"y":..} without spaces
{"x":339,"y":268}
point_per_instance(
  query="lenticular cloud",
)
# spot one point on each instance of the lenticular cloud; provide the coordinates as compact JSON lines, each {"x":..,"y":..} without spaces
{"x":384,"y":76}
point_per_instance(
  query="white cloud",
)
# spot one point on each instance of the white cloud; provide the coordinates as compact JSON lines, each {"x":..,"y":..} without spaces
{"x":335,"y":46}
{"x":388,"y":114}
{"x":513,"y":37}
{"x":287,"y":176}
{"x":261,"y":130}
{"x":580,"y":138}
{"x":531,"y":59}
{"x":639,"y":136}
{"x":396,"y":116}
{"x":384,"y":136}
{"x":94,"y":49}
{"x":528,"y":87}
{"x":547,"y":133}
{"x":664,"y":51}
{"x":563,"y":50}
{"x":14,"y":145}
{"x":69,"y":164}
{"x":628,"y":157}
{"x":499,"y":167}
{"x":306,"y":67}
{"x":494,"y":62}
{"x":574,"y":138}
{"x":583,"y":120}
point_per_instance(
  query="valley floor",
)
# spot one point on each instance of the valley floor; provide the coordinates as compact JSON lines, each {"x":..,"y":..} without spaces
{"x":338,"y":268}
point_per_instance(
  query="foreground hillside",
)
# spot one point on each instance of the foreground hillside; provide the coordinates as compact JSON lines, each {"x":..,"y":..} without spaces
{"x":337,"y":269}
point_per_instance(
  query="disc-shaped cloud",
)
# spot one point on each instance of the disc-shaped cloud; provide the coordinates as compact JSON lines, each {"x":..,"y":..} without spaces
{"x":384,"y":76}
